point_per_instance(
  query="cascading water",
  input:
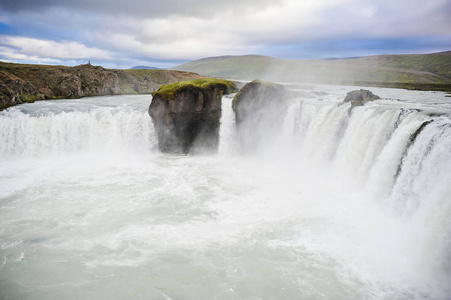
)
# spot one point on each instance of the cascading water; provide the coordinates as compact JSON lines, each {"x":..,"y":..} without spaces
{"x":340,"y":205}
{"x":49,"y":131}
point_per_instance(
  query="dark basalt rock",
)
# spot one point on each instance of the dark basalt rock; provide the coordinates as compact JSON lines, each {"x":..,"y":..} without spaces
{"x":187,"y":115}
{"x":359,"y":98}
{"x":260,"y":108}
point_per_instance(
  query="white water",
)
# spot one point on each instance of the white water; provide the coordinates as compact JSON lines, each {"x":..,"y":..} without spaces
{"x":90,"y":210}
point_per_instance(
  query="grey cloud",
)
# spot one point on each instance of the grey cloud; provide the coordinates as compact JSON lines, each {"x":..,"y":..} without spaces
{"x":385,"y":19}
{"x":152,"y":8}
{"x":180,"y":29}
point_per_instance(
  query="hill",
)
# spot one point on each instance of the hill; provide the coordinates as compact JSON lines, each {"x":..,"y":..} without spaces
{"x":424,"y":71}
{"x":144,"y":68}
{"x":26,"y":83}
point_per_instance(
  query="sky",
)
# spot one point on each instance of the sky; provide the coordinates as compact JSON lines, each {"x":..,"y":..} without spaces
{"x":123,"y":34}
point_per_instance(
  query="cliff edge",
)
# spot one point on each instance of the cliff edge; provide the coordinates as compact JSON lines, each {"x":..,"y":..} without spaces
{"x":21,"y":83}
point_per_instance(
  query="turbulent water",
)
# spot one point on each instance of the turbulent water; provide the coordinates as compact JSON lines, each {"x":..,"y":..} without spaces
{"x":341,"y":205}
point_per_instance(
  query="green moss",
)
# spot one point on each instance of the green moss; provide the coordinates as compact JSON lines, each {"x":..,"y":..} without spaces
{"x":23,"y":97}
{"x":169,"y":91}
{"x":30,"y":98}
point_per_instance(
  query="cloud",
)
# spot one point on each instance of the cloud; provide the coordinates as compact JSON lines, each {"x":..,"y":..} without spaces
{"x":387,"y":19}
{"x":16,"y":46}
{"x":177,"y":37}
{"x":172,"y":30}
{"x":11,"y":55}
{"x":139,"y":8}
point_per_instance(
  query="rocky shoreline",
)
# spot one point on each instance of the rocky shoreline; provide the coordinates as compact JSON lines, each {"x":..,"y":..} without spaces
{"x":21,"y":83}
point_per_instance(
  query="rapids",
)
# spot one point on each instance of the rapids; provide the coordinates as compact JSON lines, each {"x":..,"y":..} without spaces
{"x":339,"y":206}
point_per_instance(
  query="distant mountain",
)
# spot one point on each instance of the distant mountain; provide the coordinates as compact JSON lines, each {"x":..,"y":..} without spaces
{"x":425,"y":69}
{"x":336,"y":58}
{"x":144,"y":68}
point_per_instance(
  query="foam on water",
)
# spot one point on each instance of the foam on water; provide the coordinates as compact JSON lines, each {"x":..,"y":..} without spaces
{"x":339,"y":206}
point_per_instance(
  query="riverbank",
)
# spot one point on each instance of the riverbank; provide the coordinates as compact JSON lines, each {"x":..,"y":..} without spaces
{"x":22,"y":83}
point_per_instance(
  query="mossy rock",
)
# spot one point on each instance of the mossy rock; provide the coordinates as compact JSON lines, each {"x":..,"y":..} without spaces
{"x":170,"y":91}
{"x":186,"y":115}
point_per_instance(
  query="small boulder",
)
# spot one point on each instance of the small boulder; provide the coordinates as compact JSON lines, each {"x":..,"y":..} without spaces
{"x":186,"y":115}
{"x":359,"y":97}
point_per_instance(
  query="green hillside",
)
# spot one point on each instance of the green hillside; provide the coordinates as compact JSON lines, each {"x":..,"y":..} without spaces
{"x":422,"y":71}
{"x":435,"y":63}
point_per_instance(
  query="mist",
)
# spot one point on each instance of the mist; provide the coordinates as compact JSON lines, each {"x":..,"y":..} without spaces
{"x":327,"y":71}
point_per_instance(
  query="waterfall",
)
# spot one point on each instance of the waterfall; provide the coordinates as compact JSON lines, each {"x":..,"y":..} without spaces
{"x":340,"y":204}
{"x":374,"y":146}
{"x":400,"y":159}
{"x":227,"y":134}
{"x":101,"y":129}
{"x":385,"y":170}
{"x":399,"y":156}
{"x":424,"y":168}
{"x":321,"y":127}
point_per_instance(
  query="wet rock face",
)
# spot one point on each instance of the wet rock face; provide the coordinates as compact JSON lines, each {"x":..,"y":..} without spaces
{"x":260,"y":108}
{"x":189,"y":121}
{"x":359,"y":97}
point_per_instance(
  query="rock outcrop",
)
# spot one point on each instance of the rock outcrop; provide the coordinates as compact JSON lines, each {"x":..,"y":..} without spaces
{"x":25,"y":83}
{"x":54,"y":82}
{"x":260,"y":108}
{"x":359,"y":98}
{"x":87,"y":80}
{"x":186,"y":115}
{"x":14,"y":90}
